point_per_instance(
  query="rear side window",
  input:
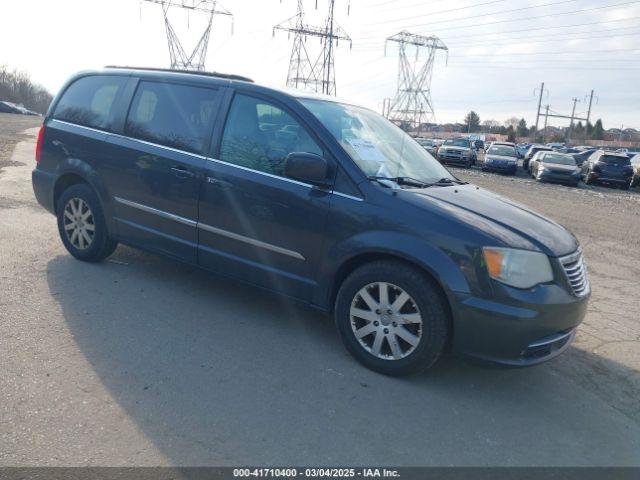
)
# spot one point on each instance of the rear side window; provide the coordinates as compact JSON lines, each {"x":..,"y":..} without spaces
{"x":178,"y":116}
{"x":613,"y":160}
{"x":89,"y":101}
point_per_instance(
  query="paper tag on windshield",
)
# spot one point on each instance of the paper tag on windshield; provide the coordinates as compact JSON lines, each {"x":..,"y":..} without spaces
{"x":366,"y":150}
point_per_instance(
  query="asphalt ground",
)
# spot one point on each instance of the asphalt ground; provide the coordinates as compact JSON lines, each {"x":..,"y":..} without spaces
{"x":143,"y":361}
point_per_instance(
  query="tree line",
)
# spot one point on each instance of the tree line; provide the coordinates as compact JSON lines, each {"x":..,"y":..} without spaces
{"x":514,"y":128}
{"x":17,"y":87}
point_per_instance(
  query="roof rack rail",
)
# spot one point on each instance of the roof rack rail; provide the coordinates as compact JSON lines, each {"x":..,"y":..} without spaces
{"x":228,"y":76}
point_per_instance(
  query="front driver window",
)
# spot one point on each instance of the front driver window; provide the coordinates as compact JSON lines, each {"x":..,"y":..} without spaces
{"x":259,"y":135}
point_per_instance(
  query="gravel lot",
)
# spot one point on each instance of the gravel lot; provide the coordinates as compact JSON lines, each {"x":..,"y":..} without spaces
{"x":11,"y":132}
{"x":143,"y":361}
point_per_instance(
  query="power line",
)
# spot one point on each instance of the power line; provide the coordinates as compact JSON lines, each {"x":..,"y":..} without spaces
{"x":490,"y":2}
{"x":572,"y":12}
{"x":540,"y":67}
{"x":530,"y":18}
{"x":585,"y":52}
{"x":405,"y":7}
{"x":554,"y":39}
{"x":550,"y":27}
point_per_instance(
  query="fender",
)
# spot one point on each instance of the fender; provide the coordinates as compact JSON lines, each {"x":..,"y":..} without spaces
{"x":377,"y":242}
{"x":82,"y":169}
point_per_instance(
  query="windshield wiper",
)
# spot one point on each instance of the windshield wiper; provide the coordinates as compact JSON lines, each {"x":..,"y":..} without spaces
{"x":414,"y":182}
{"x":407,"y":181}
{"x":448,"y":181}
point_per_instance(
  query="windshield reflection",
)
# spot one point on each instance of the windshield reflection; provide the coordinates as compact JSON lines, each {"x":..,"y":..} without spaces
{"x":376,"y":145}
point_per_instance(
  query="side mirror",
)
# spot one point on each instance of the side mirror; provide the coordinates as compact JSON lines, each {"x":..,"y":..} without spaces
{"x":307,"y":168}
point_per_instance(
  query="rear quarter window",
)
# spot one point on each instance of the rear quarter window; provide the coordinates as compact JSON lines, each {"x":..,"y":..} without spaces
{"x":177,"y":116}
{"x":613,"y":160}
{"x":89,"y":101}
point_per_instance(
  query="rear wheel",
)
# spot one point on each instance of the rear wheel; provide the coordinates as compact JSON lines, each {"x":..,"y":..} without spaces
{"x":82,"y":226}
{"x":392,"y":318}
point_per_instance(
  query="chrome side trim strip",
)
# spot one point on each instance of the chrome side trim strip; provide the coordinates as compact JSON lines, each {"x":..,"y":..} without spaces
{"x":202,"y":157}
{"x":553,"y":339}
{"x":155,"y":211}
{"x":144,"y":142}
{"x":247,"y":169}
{"x":250,"y":241}
{"x":54,"y":120}
{"x":357,"y":199}
{"x":164,"y":147}
{"x":209,"y":228}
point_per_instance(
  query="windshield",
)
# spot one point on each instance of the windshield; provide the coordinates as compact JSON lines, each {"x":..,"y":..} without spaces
{"x":425,"y":143}
{"x":558,"y":159}
{"x":503,"y":151}
{"x":457,"y":142}
{"x":375,"y":144}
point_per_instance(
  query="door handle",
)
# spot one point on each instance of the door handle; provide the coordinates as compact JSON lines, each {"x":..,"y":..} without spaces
{"x":182,"y":172}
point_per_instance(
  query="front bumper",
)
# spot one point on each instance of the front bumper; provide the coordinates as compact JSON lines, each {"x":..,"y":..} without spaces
{"x":500,"y":167}
{"x":454,"y":157}
{"x":523,"y":328}
{"x":560,"y":178}
{"x":601,"y":177}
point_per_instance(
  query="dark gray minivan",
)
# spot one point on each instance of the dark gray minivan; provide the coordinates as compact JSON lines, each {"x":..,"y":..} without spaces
{"x":325,"y":202}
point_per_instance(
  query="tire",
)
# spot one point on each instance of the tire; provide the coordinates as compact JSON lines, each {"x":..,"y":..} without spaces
{"x":78,"y":210}
{"x":425,"y":302}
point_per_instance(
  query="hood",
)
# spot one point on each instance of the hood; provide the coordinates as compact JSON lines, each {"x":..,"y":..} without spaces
{"x":550,"y":237}
{"x":501,"y":157}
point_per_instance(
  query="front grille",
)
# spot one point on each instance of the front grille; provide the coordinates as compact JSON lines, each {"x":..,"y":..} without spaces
{"x":576,"y":271}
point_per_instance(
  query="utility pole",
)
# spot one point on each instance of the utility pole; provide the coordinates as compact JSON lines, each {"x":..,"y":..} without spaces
{"x":306,"y":70}
{"x":539,"y":105}
{"x":573,"y":114}
{"x":546,"y":117}
{"x":180,"y":60}
{"x":590,"y":104}
{"x":412,"y":102}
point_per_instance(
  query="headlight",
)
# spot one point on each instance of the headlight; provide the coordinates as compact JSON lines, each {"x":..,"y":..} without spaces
{"x":518,"y":268}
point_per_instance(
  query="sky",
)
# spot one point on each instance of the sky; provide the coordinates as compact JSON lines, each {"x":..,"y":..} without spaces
{"x":499,"y":50}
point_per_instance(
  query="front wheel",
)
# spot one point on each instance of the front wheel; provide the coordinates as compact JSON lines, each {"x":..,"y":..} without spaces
{"x":82,"y":226}
{"x":392,"y":318}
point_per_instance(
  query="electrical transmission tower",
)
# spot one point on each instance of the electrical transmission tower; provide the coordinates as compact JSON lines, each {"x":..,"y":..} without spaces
{"x":180,"y":59}
{"x":306,"y":70}
{"x":412,"y":103}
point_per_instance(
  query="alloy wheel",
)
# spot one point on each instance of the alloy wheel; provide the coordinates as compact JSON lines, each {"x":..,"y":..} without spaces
{"x":386,"y":321}
{"x":79,"y":224}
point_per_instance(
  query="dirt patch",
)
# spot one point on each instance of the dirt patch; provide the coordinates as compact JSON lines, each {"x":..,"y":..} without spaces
{"x":12,"y":128}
